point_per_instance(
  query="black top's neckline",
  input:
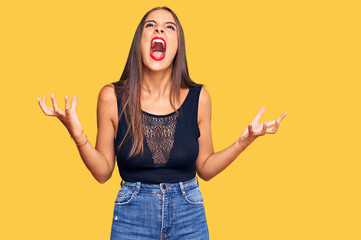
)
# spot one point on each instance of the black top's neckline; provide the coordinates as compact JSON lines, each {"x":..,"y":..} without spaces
{"x":169,"y":114}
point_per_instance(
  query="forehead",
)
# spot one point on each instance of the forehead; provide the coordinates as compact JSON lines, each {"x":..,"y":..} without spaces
{"x":160,"y":15}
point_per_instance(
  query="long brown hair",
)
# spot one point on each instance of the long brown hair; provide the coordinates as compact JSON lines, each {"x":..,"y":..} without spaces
{"x":128,"y":87}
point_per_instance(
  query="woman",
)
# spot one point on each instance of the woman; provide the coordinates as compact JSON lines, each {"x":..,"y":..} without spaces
{"x":157,"y":122}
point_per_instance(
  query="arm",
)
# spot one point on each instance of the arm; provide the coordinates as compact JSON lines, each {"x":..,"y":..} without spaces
{"x":208,"y":163}
{"x":101,"y":160}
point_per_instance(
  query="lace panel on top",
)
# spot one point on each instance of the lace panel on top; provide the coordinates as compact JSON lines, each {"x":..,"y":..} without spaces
{"x":159,"y":134}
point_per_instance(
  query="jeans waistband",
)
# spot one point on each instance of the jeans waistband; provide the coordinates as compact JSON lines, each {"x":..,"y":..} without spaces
{"x":161,"y":187}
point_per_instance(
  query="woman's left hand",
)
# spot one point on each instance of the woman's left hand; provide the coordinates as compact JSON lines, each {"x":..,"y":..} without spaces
{"x":255,"y":129}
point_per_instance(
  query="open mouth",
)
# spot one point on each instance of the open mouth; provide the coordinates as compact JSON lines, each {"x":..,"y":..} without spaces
{"x":158,"y":48}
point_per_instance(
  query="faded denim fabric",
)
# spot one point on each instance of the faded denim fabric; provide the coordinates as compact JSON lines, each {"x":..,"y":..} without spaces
{"x":159,"y":211}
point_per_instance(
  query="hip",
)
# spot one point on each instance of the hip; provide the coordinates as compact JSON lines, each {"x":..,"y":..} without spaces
{"x":160,"y":211}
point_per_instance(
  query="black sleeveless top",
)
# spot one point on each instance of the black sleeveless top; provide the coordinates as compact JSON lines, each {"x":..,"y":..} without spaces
{"x":170,"y":144}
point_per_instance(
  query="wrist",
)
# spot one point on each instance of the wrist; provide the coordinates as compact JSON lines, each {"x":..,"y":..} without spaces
{"x":244,"y":142}
{"x":80,"y":139}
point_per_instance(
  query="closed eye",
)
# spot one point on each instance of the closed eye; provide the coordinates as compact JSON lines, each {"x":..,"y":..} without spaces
{"x":149,"y":25}
{"x":171,"y":27}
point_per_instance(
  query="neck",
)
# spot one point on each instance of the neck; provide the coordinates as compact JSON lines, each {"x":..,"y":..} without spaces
{"x":156,"y":83}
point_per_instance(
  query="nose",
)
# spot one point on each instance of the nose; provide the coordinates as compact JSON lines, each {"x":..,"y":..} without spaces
{"x":159,"y":29}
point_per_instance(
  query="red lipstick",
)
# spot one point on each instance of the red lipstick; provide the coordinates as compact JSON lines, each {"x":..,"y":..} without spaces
{"x":158,"y":48}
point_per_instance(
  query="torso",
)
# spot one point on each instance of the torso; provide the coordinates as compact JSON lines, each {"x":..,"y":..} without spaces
{"x":161,"y":107}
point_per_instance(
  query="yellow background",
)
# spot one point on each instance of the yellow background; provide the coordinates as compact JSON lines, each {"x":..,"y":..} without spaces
{"x":297,"y":56}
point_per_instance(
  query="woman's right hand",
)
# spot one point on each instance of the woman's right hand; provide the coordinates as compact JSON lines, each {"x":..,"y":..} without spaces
{"x":68,"y":117}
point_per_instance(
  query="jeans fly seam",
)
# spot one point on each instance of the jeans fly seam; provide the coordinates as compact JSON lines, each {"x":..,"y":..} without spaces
{"x":171,"y":217}
{"x":161,"y":231}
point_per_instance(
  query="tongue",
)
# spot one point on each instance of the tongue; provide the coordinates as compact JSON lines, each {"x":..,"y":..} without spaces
{"x":157,"y":54}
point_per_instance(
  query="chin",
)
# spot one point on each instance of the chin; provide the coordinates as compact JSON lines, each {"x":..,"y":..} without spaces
{"x":156,"y":68}
{"x":151,"y":65}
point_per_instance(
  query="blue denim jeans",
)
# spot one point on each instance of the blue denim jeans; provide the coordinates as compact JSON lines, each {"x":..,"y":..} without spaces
{"x":159,"y":211}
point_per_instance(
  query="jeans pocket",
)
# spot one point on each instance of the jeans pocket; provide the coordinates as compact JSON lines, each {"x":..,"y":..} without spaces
{"x":125,"y":196}
{"x":193,"y":196}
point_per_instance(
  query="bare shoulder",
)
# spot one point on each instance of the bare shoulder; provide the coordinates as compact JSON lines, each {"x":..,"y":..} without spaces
{"x":107,"y":102}
{"x":107,"y":94}
{"x":204,"y":96}
{"x":204,"y":105}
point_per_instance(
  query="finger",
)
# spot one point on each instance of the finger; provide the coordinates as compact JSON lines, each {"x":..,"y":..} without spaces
{"x":57,"y":110}
{"x":273,"y":130}
{"x":74,"y":102}
{"x":264,"y":128}
{"x":67,"y":104}
{"x":250,"y":130}
{"x":259,"y":114}
{"x":283,"y":115}
{"x":271,"y":124}
{"x":278,"y":120}
{"x":47,"y":111}
{"x":42,"y":104}
{"x":39,"y":101}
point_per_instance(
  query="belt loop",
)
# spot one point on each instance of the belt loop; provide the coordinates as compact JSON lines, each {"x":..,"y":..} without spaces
{"x":138,"y":187}
{"x":197,"y":181}
{"x":182,"y":188}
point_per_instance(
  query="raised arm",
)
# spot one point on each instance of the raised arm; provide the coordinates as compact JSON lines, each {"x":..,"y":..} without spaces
{"x":208,"y":163}
{"x":99,"y":160}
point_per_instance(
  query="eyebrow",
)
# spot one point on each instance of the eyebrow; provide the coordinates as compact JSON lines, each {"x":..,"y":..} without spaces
{"x":156,"y":22}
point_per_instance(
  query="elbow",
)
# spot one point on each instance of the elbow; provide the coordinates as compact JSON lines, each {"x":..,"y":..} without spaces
{"x":103,"y":179}
{"x":205,"y":177}
{"x":104,"y":176}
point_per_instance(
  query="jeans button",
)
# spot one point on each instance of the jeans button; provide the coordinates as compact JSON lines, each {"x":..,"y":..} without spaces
{"x":164,"y":187}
